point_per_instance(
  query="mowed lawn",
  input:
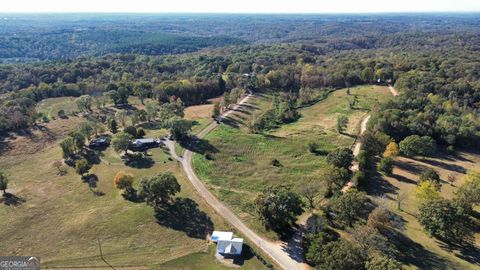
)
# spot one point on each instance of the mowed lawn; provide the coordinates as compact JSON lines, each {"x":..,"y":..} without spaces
{"x":242,"y":162}
{"x":420,"y":250}
{"x":61,"y":220}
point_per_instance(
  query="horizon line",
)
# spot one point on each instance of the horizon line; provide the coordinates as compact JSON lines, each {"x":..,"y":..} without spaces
{"x":241,"y":13}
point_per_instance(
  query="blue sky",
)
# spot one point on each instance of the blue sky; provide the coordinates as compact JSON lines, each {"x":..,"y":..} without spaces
{"x":241,"y":6}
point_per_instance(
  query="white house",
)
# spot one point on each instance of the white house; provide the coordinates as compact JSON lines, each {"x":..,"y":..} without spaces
{"x":226,"y":244}
{"x":141,"y":144}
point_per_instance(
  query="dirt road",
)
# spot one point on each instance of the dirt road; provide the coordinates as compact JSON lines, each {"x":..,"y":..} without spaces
{"x":358,"y":145}
{"x":279,"y":252}
{"x":393,"y":91}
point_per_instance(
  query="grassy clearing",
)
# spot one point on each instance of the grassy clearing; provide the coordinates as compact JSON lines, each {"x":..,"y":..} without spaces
{"x":60,"y":219}
{"x":242,"y":162}
{"x":383,"y":190}
{"x":51,"y":106}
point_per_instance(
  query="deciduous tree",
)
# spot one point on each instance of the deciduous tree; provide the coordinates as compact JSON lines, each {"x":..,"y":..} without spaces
{"x":341,"y":157}
{"x":278,"y":208}
{"x":122,"y":141}
{"x":159,"y":189}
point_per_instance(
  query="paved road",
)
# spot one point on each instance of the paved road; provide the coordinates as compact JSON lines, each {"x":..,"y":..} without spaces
{"x":277,"y":251}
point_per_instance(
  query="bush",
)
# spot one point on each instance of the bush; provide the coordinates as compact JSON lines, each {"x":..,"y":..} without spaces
{"x":312,"y":147}
{"x":359,"y":178}
{"x":431,"y":176}
{"x":362,"y":160}
{"x":385,"y":165}
{"x":131,"y":130}
{"x":82,"y":166}
{"x":140,"y":133}
{"x":61,"y":114}
{"x":275,"y":162}
{"x":451,"y":149}
{"x":383,"y":263}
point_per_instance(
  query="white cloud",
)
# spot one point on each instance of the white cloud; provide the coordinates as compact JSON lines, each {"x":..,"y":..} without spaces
{"x":239,"y":6}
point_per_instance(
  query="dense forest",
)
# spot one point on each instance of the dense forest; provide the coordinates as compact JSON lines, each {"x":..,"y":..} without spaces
{"x":436,"y":63}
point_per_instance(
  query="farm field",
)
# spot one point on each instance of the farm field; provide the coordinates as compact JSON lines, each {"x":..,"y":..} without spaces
{"x":434,"y":253}
{"x":241,"y":164}
{"x":67,"y":217}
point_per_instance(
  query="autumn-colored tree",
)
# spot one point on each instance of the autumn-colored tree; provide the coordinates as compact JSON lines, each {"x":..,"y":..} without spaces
{"x":426,"y":191}
{"x":123,"y":180}
{"x":391,"y":150}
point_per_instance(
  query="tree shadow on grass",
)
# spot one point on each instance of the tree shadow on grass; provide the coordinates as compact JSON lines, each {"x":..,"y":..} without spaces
{"x":412,"y":253}
{"x":467,"y":252}
{"x":404,"y":179}
{"x":443,"y":165}
{"x":200,"y":146}
{"x":10,"y":199}
{"x":376,"y":185}
{"x":231,"y":122}
{"x":139,"y":161}
{"x":91,"y":180}
{"x":410,"y":167}
{"x":184,"y":215}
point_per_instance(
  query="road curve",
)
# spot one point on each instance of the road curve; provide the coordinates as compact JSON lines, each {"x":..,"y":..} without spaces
{"x":358,"y":143}
{"x":277,"y":251}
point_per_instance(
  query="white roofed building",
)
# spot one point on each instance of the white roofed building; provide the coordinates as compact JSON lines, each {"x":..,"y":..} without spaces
{"x":226,"y":244}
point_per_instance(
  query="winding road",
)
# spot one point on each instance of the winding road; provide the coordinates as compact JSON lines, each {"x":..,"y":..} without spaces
{"x":280,"y":252}
{"x":358,"y":144}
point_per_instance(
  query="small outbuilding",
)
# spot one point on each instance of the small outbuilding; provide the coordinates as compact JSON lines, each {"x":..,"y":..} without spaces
{"x":227,"y":245}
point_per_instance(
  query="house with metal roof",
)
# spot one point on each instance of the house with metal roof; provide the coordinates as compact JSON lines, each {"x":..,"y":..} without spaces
{"x":227,"y":245}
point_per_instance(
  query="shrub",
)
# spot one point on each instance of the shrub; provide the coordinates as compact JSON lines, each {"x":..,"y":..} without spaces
{"x":312,"y":147}
{"x":131,"y":130}
{"x":275,"y":162}
{"x":140,"y":133}
{"x":82,"y":166}
{"x":385,"y":165}
{"x":431,"y":176}
{"x":61,"y":114}
{"x":383,"y":263}
{"x":359,"y":178}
